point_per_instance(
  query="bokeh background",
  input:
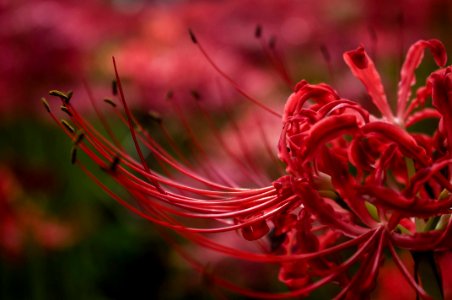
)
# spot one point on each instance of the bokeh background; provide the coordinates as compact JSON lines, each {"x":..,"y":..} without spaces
{"x":61,"y":237}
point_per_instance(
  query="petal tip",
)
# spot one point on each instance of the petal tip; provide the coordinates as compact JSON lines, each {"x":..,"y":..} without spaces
{"x":439,"y":52}
{"x":358,"y":57}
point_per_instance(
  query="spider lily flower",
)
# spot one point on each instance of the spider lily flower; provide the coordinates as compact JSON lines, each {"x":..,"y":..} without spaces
{"x":356,"y":184}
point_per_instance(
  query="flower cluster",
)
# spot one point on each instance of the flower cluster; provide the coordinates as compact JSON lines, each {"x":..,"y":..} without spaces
{"x":356,"y":184}
{"x":360,"y":174}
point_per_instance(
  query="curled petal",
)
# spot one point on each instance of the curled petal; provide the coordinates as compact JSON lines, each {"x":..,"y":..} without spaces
{"x":427,"y":113}
{"x":407,"y":144}
{"x":320,"y":93}
{"x":391,"y":199}
{"x":422,"y":94}
{"x":384,"y":196}
{"x":284,"y":222}
{"x":425,"y":142}
{"x":423,"y":175}
{"x":358,"y":155}
{"x":304,"y":115}
{"x":344,"y":184}
{"x":412,"y":61}
{"x":441,"y":83}
{"x":344,"y":104}
{"x":324,"y":211}
{"x":364,"y":69}
{"x":383,"y":163}
{"x":327,"y":129}
{"x":294,"y":274}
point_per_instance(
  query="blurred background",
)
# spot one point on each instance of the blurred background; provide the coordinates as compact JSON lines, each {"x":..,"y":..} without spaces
{"x":61,"y":236}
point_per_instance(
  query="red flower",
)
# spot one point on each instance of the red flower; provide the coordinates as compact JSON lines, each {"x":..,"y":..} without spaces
{"x":356,"y":183}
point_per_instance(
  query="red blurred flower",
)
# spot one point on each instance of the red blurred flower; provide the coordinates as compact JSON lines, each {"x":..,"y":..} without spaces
{"x":22,"y":222}
{"x":157,"y":55}
{"x":355,"y":184}
{"x":43,"y":41}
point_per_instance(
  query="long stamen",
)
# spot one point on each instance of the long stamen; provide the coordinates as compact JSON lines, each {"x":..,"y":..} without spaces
{"x":100,"y":114}
{"x":230,"y":80}
{"x":253,"y":175}
{"x":131,"y":127}
{"x":273,"y":57}
{"x":327,"y":57}
{"x":209,"y":166}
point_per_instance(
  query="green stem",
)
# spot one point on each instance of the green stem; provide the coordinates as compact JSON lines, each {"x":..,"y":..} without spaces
{"x":426,"y":271}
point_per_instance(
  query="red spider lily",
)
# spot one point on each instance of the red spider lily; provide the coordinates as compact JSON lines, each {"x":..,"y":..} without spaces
{"x":355,"y":183}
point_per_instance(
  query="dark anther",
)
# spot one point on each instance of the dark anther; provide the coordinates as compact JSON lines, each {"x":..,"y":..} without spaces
{"x":69,"y":95}
{"x":114,"y":164}
{"x":73,"y":155}
{"x":45,"y":103}
{"x":65,"y":97}
{"x":68,"y":126}
{"x":192,"y":36}
{"x":155,"y":116}
{"x":79,"y":138}
{"x":196,"y":95}
{"x":325,"y":52}
{"x":110,"y":102}
{"x":169,"y":95}
{"x":114,"y":87}
{"x":272,"y":42}
{"x":66,"y":110}
{"x":258,"y":31}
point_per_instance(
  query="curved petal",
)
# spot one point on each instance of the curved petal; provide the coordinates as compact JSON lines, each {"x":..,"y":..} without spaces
{"x":320,"y":93}
{"x":441,"y":83}
{"x":427,"y":113}
{"x":325,"y":130}
{"x":397,"y":135}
